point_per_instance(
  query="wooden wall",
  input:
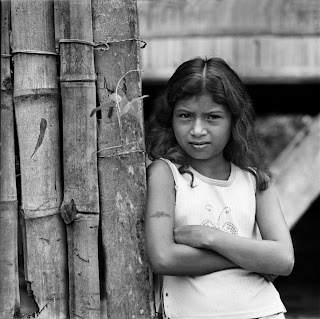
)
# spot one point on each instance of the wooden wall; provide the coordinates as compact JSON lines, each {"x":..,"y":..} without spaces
{"x":266,"y":40}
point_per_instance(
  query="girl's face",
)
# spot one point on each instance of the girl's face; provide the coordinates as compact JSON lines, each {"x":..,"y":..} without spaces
{"x":202,"y":128}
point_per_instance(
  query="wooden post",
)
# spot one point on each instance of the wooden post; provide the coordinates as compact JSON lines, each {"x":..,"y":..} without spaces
{"x":80,"y":208}
{"x":36,"y":103}
{"x":297,"y":172}
{"x":9,"y":286}
{"x":121,"y":159}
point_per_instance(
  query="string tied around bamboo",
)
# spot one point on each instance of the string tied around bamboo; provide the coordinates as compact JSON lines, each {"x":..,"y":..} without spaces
{"x":103,"y":45}
{"x":16,"y":51}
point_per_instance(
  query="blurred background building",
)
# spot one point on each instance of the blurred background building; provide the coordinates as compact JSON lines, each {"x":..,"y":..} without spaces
{"x":274,"y":46}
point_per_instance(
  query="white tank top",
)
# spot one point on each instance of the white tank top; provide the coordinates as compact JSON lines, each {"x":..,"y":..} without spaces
{"x":234,"y":293}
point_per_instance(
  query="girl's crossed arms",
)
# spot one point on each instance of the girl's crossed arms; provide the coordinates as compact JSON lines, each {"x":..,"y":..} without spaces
{"x":194,"y":250}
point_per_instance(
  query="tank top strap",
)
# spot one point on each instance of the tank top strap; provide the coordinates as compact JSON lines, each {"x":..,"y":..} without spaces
{"x":175,"y":171}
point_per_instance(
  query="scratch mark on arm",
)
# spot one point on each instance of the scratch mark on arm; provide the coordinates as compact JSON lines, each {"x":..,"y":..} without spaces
{"x":160,"y":214}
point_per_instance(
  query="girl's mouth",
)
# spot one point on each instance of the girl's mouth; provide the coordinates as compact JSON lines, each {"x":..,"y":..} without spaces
{"x":199,"y":145}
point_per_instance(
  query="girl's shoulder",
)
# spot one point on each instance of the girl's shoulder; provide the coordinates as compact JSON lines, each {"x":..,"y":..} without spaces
{"x":160,"y":167}
{"x":246,"y":175}
{"x":259,"y":179}
{"x":163,"y":169}
{"x":162,"y":163}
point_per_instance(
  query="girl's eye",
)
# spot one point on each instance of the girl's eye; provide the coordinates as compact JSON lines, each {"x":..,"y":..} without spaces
{"x":214,"y":117}
{"x":184,"y":116}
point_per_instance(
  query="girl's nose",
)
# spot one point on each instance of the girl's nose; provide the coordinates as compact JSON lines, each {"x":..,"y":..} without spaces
{"x":198,"y":129}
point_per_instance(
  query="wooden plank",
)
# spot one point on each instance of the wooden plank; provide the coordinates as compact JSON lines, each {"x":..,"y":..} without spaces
{"x":263,"y":58}
{"x":36,"y":104}
{"x":121,"y":161}
{"x":182,"y":18}
{"x":297,"y":173}
{"x":80,"y":208}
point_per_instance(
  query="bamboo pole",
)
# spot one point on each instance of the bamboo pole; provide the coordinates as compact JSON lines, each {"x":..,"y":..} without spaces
{"x":80,"y":208}
{"x":121,"y":160}
{"x":9,"y":285}
{"x":36,"y":104}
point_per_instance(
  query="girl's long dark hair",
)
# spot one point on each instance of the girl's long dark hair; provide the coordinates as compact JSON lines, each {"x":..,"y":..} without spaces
{"x":192,"y":78}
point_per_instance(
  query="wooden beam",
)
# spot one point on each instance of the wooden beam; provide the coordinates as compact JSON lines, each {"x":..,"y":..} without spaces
{"x":262,"y":58}
{"x":297,"y":173}
{"x":179,"y":18}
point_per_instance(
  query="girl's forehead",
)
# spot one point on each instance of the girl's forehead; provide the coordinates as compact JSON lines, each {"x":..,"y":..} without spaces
{"x":202,"y":101}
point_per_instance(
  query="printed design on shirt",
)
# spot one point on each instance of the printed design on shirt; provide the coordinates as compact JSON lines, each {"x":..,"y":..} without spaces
{"x":207,"y":222}
{"x":224,"y":220}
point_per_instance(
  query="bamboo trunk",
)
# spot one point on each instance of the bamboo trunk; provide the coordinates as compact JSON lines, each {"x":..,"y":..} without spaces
{"x":37,"y":114}
{"x":121,"y":160}
{"x":9,"y":285}
{"x":80,"y":208}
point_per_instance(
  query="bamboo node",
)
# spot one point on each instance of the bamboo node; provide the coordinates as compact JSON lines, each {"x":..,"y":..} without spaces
{"x":6,"y":85}
{"x":68,"y":212}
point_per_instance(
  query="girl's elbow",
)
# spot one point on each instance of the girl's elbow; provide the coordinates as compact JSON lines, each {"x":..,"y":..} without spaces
{"x":288,"y":265}
{"x":157,"y":267}
{"x":160,"y":264}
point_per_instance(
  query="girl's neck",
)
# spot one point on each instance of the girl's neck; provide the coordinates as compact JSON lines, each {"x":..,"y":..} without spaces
{"x":217,"y":170}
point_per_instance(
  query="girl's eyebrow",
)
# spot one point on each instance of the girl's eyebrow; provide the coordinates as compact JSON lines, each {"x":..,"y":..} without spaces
{"x":183,"y":109}
{"x":215,"y":112}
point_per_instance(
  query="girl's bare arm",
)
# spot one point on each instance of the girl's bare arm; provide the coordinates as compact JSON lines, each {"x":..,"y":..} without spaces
{"x":272,"y":255}
{"x":165,"y":255}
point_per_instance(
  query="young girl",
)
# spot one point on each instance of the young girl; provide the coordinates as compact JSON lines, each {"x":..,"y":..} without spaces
{"x":214,"y":226}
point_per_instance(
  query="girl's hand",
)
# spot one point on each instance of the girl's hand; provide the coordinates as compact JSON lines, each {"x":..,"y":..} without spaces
{"x":193,"y":235}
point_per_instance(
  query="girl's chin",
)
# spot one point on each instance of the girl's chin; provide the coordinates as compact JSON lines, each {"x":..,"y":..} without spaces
{"x":200,"y":157}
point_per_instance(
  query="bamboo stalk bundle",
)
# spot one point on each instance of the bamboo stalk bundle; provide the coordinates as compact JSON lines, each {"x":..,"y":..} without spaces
{"x":9,"y":284}
{"x":121,"y":159}
{"x":36,"y":104}
{"x":80,"y":207}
